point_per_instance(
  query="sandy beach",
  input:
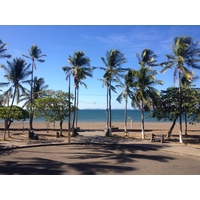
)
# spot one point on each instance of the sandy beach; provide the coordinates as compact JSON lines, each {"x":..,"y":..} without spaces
{"x":154,"y":126}
{"x":134,"y":129}
{"x":101,"y":125}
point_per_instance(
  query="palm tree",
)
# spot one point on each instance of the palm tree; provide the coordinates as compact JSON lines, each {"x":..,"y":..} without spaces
{"x":35,"y":53}
{"x":144,"y":92}
{"x":113,"y":72}
{"x":185,"y":54}
{"x":80,"y":69}
{"x":105,"y":83}
{"x":3,"y":50}
{"x":186,"y":85}
{"x":38,"y":91}
{"x":127,"y":92}
{"x":15,"y":72}
{"x":68,"y":71}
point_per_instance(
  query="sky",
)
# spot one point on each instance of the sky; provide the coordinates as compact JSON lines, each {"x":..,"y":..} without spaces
{"x":60,"y":41}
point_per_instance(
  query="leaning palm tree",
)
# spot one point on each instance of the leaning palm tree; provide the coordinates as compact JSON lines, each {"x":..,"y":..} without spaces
{"x":185,"y":55}
{"x":35,"y":53}
{"x":3,"y":50}
{"x":113,"y":72}
{"x":80,"y":69}
{"x":144,"y":92}
{"x":127,"y":92}
{"x":16,"y":72}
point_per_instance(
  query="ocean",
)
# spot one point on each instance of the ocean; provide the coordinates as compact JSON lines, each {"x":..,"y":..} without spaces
{"x":99,"y":115}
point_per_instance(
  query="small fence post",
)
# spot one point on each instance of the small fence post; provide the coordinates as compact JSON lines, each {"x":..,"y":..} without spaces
{"x":57,"y":134}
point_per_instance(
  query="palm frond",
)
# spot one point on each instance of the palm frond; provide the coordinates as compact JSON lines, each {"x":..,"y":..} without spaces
{"x":66,"y":69}
{"x":40,"y":60}
{"x":82,"y":83}
{"x":166,"y":66}
{"x":103,"y":68}
{"x":26,"y":56}
{"x":3,"y":50}
{"x":104,"y":61}
{"x":120,"y":98}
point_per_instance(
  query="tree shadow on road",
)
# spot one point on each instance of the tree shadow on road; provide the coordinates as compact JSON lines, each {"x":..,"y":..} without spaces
{"x":37,"y":166}
{"x":84,"y":159}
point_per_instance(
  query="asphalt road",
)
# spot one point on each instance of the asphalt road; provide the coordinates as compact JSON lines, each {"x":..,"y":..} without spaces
{"x":114,"y":159}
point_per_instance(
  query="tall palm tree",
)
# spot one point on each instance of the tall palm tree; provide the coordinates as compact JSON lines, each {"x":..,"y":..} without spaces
{"x":68,"y":71}
{"x":80,"y":69}
{"x":35,"y":53}
{"x":3,"y":50}
{"x":105,"y":83}
{"x":144,"y":91}
{"x":186,"y":85}
{"x":38,"y":91}
{"x":16,"y":72}
{"x":113,"y":72}
{"x":127,"y":92}
{"x":185,"y":55}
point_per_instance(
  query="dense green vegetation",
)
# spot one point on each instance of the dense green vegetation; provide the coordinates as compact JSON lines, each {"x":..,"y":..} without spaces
{"x":53,"y":107}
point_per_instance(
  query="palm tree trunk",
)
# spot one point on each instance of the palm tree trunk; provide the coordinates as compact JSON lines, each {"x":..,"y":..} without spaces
{"x":31,"y":120}
{"x":5,"y":129}
{"x":107,"y":113}
{"x":69,"y":107}
{"x":125,"y":116}
{"x":142,"y":116}
{"x":110,"y":114}
{"x":74,"y":117}
{"x":8,"y":116}
{"x":31,"y":102}
{"x":8,"y":128}
{"x":77,"y":102}
{"x":107,"y":109}
{"x":180,"y":110}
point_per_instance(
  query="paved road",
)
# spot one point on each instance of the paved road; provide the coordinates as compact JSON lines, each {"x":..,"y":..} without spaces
{"x":93,"y":159}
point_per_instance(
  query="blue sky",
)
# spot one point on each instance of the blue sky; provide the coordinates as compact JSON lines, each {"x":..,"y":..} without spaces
{"x":60,"y":41}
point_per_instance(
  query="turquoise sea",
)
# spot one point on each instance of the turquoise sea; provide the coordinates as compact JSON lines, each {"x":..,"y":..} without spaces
{"x":99,"y":115}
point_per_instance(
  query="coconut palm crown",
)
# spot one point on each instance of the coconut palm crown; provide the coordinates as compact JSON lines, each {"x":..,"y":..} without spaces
{"x":185,"y":55}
